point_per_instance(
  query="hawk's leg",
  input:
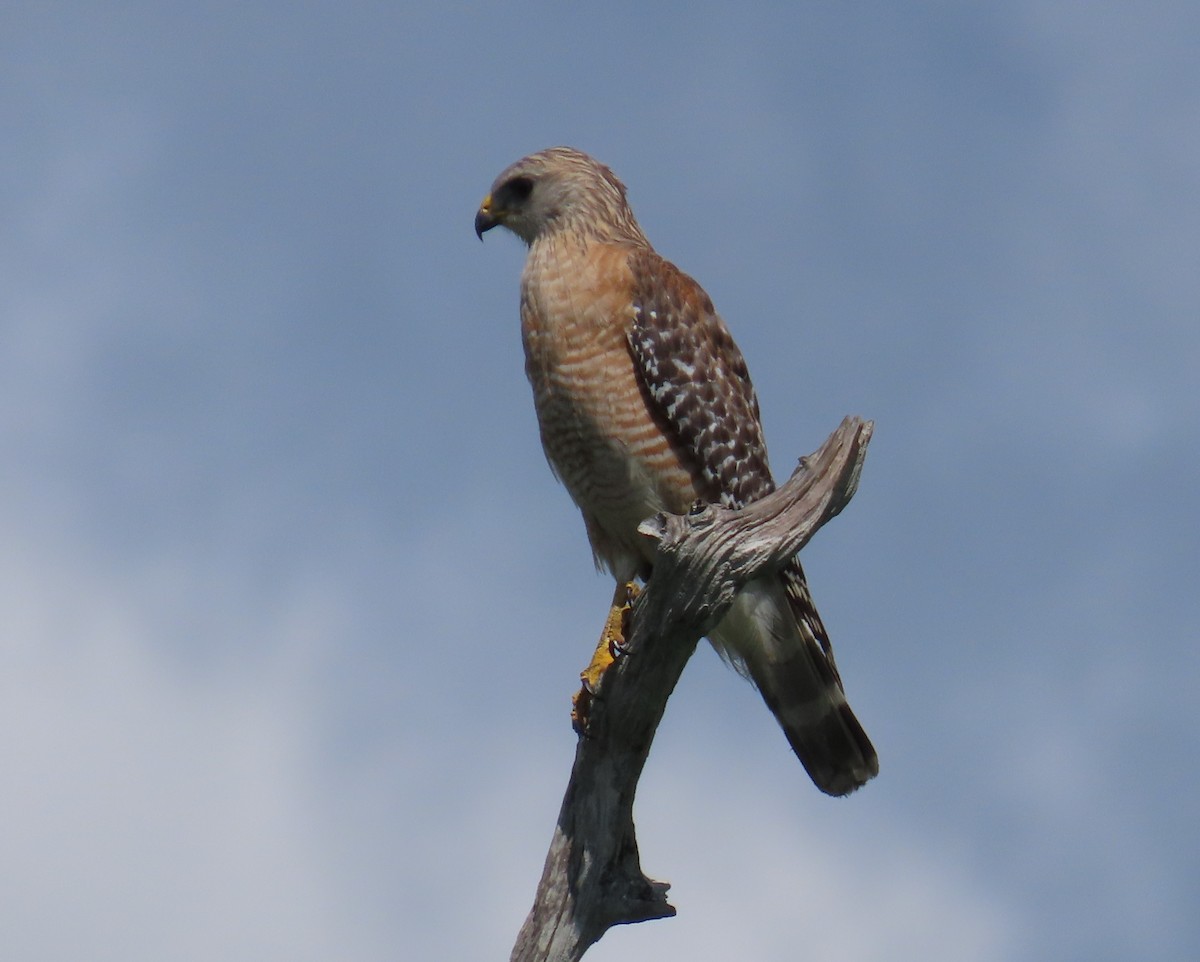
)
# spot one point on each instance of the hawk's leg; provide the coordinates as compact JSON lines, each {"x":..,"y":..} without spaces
{"x":610,"y":647}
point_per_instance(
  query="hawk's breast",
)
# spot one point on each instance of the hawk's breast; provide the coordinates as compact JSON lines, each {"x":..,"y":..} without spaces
{"x":597,"y":430}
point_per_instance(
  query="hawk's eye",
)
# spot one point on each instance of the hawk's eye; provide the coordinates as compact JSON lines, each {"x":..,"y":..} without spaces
{"x":519,"y":188}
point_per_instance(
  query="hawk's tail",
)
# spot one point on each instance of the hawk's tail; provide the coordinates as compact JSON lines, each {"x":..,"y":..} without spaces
{"x":775,"y":636}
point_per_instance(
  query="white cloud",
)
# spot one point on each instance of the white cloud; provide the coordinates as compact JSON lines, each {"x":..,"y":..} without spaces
{"x":151,"y":812}
{"x":759,"y":875}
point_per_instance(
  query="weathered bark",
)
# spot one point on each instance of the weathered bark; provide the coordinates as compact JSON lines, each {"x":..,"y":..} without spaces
{"x":592,"y":878}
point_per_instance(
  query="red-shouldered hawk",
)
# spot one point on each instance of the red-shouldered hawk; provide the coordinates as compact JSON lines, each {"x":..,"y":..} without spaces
{"x":645,"y":404}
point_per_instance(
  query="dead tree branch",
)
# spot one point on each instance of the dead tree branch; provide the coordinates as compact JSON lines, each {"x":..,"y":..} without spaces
{"x":592,"y":878}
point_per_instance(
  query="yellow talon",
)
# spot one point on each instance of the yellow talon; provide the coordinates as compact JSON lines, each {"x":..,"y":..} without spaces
{"x":612,"y":643}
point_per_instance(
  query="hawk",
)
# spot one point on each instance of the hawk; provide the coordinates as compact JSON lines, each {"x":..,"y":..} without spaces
{"x":644,"y":404}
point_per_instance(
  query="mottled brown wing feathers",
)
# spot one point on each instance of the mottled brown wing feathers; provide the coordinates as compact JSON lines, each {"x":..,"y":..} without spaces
{"x":697,"y":382}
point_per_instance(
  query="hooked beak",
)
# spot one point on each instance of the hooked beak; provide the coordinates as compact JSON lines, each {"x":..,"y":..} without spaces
{"x":485,"y":220}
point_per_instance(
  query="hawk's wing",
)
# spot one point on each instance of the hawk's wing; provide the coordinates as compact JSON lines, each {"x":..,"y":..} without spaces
{"x":697,"y":384}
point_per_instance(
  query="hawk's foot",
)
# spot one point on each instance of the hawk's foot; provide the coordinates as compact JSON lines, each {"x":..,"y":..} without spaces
{"x":611,"y":646}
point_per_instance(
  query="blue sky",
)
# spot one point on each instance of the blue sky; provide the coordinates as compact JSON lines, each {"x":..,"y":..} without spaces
{"x":292,"y":607}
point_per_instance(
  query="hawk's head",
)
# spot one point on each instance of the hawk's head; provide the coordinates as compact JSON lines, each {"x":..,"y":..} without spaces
{"x":555,"y":189}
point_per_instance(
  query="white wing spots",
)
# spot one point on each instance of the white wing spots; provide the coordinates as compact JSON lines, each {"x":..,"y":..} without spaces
{"x":695,"y":375}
